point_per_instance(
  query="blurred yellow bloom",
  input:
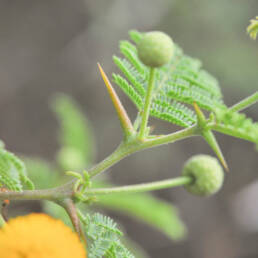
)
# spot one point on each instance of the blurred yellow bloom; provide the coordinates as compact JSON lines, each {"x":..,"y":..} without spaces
{"x":39,"y":236}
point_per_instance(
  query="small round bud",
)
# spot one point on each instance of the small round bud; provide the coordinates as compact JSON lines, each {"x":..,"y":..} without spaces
{"x":207,"y":174}
{"x":155,"y":49}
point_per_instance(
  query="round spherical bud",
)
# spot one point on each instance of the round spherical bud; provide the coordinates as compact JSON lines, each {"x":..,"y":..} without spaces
{"x":207,"y":174}
{"x":155,"y":49}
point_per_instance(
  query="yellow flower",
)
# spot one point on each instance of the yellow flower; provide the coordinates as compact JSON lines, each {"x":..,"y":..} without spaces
{"x":39,"y":236}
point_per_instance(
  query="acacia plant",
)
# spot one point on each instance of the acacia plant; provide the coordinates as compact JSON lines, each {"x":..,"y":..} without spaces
{"x":163,"y":83}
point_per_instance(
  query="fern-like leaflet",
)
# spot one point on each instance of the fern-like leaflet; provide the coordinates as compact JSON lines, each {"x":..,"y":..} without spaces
{"x":12,"y":172}
{"x":104,"y":236}
{"x":236,"y":124}
{"x":177,"y":84}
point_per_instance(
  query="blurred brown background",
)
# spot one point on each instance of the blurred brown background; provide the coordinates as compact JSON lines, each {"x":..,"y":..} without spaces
{"x":49,"y":46}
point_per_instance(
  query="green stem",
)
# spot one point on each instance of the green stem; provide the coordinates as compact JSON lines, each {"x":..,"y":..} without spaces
{"x":53,"y":194}
{"x":245,"y":103}
{"x":142,"y":187}
{"x":169,"y":138}
{"x":122,"y":151}
{"x":125,"y":149}
{"x":147,"y":104}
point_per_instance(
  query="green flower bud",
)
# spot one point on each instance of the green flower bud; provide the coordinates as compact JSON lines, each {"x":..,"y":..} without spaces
{"x":207,"y":173}
{"x":155,"y":49}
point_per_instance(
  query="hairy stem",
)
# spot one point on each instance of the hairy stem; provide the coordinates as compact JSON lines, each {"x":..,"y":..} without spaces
{"x":124,"y":150}
{"x":52,"y":194}
{"x":147,"y":104}
{"x":245,"y":103}
{"x":142,"y":187}
{"x":169,"y":138}
{"x":70,"y":208}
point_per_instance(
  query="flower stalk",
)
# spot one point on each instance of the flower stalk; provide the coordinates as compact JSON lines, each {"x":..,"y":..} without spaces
{"x":147,"y":104}
{"x":245,"y":103}
{"x":138,"y":188}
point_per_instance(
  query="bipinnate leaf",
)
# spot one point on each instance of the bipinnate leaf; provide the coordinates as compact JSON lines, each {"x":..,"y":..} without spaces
{"x":177,"y":84}
{"x":13,"y":174}
{"x":236,"y":124}
{"x":104,"y":237}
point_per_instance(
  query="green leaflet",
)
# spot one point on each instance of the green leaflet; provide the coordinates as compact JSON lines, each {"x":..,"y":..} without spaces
{"x":236,"y":124}
{"x":58,"y":212}
{"x":13,"y":173}
{"x":153,"y":211}
{"x":9,"y":176}
{"x":75,"y":136}
{"x":103,"y":234}
{"x":177,"y":84}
